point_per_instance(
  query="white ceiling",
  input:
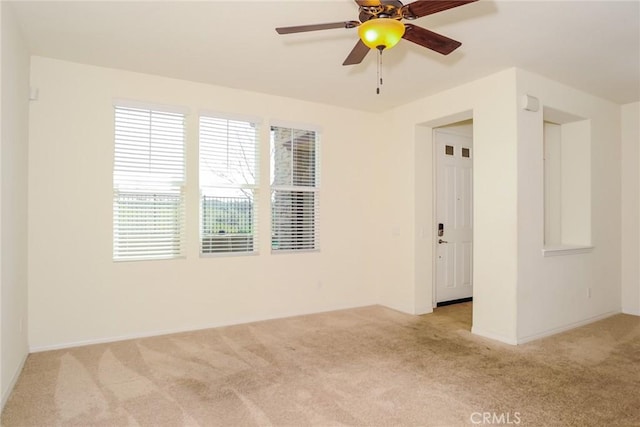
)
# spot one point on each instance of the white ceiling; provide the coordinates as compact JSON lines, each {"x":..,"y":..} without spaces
{"x":593,"y":46}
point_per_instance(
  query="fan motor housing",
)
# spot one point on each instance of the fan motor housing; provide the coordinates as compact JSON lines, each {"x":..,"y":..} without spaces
{"x":388,"y":9}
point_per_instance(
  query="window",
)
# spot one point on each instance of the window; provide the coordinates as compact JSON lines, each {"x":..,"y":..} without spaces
{"x":294,"y":189}
{"x":228,"y":185}
{"x":148,"y":184}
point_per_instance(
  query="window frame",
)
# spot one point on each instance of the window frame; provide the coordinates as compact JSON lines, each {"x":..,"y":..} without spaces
{"x":209,"y":190}
{"x":130,"y":179}
{"x":289,"y":188}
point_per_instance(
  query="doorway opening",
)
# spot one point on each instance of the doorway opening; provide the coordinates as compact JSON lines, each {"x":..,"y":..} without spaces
{"x":453,"y":190}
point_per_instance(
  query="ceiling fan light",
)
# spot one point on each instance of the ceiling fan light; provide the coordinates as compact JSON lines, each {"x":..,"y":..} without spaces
{"x":380,"y":33}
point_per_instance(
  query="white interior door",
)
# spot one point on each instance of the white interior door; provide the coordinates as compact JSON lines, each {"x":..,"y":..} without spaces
{"x":454,"y":216}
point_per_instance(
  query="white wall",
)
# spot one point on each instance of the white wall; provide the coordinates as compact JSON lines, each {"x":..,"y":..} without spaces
{"x":518,"y":293}
{"x":405,"y":161}
{"x":376,"y":188}
{"x":78,"y":294}
{"x":14,"y":111}
{"x":553,"y":292}
{"x":552,"y":184}
{"x":630,"y":208}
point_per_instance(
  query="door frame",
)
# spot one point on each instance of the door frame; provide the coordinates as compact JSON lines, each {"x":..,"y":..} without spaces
{"x":434,"y":169}
{"x":423,"y":251}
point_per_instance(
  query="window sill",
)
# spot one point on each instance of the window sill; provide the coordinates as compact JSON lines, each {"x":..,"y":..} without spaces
{"x":293,"y":251}
{"x":561,"y":250}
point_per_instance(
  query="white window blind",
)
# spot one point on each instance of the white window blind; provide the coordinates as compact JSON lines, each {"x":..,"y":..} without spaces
{"x":148,"y":184}
{"x":228,"y":185}
{"x":294,"y":189}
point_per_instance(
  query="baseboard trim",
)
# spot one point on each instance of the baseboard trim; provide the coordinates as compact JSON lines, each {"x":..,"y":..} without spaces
{"x":423,"y":310}
{"x":493,"y":336}
{"x":633,"y":312}
{"x":14,"y":380}
{"x":106,"y":340}
{"x":565,"y":328}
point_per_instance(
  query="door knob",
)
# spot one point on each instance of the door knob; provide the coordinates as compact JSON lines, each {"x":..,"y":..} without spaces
{"x":440,"y":241}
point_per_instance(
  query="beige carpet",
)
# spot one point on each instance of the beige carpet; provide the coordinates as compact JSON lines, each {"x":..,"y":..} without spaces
{"x":363,"y":367}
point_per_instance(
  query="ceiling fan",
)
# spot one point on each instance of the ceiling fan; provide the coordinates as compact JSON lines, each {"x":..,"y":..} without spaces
{"x":380,"y":27}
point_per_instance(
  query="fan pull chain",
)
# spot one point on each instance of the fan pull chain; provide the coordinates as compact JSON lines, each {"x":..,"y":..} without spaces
{"x":380,"y":49}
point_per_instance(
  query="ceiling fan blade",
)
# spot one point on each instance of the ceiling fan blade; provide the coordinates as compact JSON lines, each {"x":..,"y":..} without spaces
{"x":357,"y":54}
{"x":421,"y":8}
{"x":430,"y":40}
{"x":316,"y":27}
